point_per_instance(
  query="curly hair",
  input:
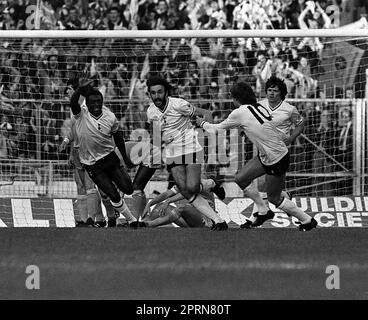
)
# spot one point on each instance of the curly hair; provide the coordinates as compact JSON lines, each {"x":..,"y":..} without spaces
{"x":155,"y":80}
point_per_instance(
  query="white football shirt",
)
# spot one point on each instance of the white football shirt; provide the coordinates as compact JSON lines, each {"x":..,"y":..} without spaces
{"x":256,"y":122}
{"x":284,"y":116}
{"x":178,"y":134}
{"x":95,"y":134}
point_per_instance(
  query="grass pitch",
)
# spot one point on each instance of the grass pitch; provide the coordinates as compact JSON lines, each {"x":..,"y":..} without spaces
{"x":173,"y":263}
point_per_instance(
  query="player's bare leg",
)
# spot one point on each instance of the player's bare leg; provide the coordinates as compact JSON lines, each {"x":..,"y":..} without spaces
{"x":81,"y":197}
{"x":142,"y":177}
{"x":104,"y":183}
{"x":187,"y":178}
{"x":245,"y":180}
{"x":110,"y":211}
{"x":95,"y":215}
{"x":95,"y":208}
{"x":275,"y":185}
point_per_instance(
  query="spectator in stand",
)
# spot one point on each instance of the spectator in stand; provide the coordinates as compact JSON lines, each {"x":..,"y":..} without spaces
{"x":72,"y":21}
{"x":9,"y":75}
{"x":63,"y":12}
{"x":344,"y":152}
{"x":49,"y":137}
{"x":7,"y":22}
{"x":4,"y":145}
{"x":216,"y":16}
{"x":21,"y":130}
{"x":189,"y":80}
{"x":92,"y":22}
{"x":290,"y":11}
{"x":262,"y":72}
{"x":113,"y":20}
{"x":5,"y":123}
{"x":99,"y":7}
{"x":162,"y":15}
{"x":27,"y":64}
{"x":325,"y":139}
{"x":8,"y":127}
{"x":312,"y":118}
{"x":52,"y":76}
{"x":107,"y":87}
{"x":307,"y":85}
{"x":29,"y":116}
{"x":345,"y":138}
{"x":313,"y":17}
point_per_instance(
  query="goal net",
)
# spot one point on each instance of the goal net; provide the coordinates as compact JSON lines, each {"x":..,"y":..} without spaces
{"x":325,"y":74}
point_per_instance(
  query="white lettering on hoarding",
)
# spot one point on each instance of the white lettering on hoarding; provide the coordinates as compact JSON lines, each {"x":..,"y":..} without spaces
{"x":2,"y":224}
{"x":64,"y":213}
{"x":322,"y":222}
{"x":353,"y":219}
{"x":324,"y":205}
{"x":22,"y":214}
{"x":339,"y":204}
{"x":314,"y":206}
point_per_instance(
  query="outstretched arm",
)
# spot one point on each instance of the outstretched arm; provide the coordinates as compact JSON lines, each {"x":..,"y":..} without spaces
{"x":231,"y":122}
{"x":163,"y":220}
{"x":206,"y":114}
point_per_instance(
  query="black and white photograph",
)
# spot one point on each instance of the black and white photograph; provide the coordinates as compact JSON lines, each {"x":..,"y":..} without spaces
{"x":184,"y":156}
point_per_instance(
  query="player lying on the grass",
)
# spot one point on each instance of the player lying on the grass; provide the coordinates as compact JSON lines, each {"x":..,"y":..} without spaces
{"x":173,"y":118}
{"x":287,"y":121}
{"x":185,"y":215}
{"x":98,"y":132}
{"x":273,"y":155}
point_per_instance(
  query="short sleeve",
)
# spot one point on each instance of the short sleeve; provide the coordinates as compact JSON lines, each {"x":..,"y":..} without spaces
{"x":185,"y":108}
{"x":296,"y":117}
{"x":115,"y":124}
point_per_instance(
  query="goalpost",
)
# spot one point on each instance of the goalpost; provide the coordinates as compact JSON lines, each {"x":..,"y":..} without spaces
{"x":325,"y":71}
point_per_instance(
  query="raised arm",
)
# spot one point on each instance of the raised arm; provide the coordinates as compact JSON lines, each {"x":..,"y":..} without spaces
{"x":82,"y":87}
{"x":301,"y":22}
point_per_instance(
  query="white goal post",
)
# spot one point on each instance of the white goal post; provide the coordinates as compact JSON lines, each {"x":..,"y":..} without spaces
{"x":50,"y":175}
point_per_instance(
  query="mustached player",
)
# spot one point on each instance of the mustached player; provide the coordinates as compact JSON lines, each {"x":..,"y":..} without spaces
{"x":173,"y":117}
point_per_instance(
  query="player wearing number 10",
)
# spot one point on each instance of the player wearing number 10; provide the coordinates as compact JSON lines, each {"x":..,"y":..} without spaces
{"x":273,"y":155}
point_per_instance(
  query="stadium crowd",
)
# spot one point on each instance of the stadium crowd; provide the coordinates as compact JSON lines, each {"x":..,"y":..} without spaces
{"x":200,"y":70}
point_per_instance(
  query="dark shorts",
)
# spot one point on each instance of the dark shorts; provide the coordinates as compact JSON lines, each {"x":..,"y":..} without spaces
{"x":190,"y":158}
{"x":105,"y":164}
{"x":278,"y":168}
